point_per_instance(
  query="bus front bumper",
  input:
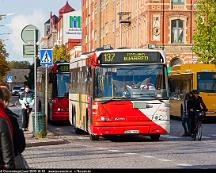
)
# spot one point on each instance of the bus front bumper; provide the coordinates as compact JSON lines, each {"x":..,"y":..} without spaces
{"x":60,"y":116}
{"x":127,"y":130}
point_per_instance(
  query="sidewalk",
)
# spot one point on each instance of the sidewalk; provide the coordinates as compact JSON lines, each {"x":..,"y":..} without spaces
{"x":50,"y":139}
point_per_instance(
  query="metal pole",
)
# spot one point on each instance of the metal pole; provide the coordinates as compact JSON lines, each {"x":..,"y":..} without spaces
{"x":137,"y":24}
{"x":35,"y":78}
{"x":115,"y":25}
{"x":120,"y":25}
{"x":46,"y":88}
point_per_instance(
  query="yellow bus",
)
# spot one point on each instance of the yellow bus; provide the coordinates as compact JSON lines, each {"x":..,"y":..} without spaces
{"x":186,"y":77}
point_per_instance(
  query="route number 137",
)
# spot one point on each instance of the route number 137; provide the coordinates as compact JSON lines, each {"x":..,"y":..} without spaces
{"x":108,"y":57}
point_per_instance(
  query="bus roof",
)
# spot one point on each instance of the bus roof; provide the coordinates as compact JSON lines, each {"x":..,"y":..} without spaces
{"x":192,"y":68}
{"x":98,"y":53}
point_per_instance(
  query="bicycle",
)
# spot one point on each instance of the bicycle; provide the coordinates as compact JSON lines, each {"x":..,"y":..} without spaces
{"x":199,"y":115}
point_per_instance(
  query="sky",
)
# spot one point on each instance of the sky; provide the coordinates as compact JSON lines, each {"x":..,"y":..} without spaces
{"x":25,"y":12}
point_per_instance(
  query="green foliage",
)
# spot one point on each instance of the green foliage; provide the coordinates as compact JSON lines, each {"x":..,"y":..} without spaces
{"x":19,"y":64}
{"x":61,"y":53}
{"x":3,"y":63}
{"x":205,"y":36}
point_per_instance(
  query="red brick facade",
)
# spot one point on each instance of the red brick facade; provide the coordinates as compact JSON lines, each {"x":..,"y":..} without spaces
{"x":169,"y":24}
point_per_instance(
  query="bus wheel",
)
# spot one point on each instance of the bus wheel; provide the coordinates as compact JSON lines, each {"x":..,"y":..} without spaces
{"x":94,"y":137}
{"x":155,"y":137}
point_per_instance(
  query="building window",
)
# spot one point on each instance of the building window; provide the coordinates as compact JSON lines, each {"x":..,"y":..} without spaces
{"x":177,"y":1}
{"x":176,"y":61}
{"x":177,"y":29}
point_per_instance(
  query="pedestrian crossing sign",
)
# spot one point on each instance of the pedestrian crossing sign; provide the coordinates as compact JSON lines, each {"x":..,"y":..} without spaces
{"x":46,"y":57}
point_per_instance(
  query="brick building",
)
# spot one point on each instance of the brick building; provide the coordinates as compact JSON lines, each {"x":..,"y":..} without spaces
{"x":65,"y":29}
{"x":166,"y":24}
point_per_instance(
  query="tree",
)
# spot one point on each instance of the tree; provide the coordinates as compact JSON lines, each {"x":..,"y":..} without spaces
{"x":61,"y":53}
{"x":3,"y":63}
{"x":19,"y":64}
{"x":205,"y":35}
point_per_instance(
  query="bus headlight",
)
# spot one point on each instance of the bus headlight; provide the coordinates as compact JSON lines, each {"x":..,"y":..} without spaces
{"x":162,"y":117}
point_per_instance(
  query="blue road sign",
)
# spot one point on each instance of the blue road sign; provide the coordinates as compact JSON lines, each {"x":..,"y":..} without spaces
{"x":9,"y":78}
{"x":46,"y":57}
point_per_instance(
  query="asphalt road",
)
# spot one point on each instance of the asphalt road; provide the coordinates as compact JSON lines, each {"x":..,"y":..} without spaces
{"x":172,"y":151}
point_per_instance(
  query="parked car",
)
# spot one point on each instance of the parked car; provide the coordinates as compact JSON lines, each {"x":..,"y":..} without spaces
{"x":21,"y":90}
{"x":15,"y":90}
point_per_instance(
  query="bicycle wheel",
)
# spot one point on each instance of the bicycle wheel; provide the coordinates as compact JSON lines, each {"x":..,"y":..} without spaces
{"x":199,"y":132}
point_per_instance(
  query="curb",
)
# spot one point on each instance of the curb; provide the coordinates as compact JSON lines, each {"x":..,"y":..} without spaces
{"x":44,"y":143}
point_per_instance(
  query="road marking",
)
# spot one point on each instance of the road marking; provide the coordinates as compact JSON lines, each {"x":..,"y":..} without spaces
{"x":101,"y":148}
{"x":185,"y":164}
{"x":113,"y":150}
{"x":82,"y":137}
{"x":165,"y":160}
{"x":172,"y":137}
{"x":130,"y":153}
{"x":148,"y":156}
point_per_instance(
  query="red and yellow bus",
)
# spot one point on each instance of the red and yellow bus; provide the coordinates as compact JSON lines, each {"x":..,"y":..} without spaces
{"x":186,"y":77}
{"x":120,"y":92}
{"x":57,"y":90}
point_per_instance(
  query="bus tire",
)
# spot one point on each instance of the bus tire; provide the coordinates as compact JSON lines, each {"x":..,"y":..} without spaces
{"x":155,"y":137}
{"x":94,"y":137}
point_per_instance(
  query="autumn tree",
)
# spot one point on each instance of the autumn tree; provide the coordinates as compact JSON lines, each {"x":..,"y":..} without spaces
{"x":60,"y":53}
{"x":3,"y":63}
{"x":205,"y":35}
{"x":19,"y":64}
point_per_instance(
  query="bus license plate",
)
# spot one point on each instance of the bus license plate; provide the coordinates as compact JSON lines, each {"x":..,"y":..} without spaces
{"x":131,"y":131}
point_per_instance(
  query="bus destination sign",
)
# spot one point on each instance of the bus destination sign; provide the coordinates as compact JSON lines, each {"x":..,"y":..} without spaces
{"x":130,"y":57}
{"x":63,"y":68}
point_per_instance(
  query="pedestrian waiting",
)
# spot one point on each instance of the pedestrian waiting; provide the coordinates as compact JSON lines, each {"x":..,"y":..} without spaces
{"x":186,"y":121}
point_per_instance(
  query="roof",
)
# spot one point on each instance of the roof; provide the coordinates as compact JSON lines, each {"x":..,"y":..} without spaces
{"x":55,"y":19}
{"x":66,"y":9}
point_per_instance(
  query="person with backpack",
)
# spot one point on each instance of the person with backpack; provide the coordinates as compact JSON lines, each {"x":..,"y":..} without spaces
{"x":7,"y":155}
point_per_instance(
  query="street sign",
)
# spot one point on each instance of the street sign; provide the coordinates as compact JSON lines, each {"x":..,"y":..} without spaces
{"x":46,"y":57}
{"x":28,"y":51}
{"x":9,"y":78}
{"x":30,"y":34}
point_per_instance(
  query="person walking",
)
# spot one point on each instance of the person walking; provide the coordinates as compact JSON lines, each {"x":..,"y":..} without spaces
{"x":7,"y":155}
{"x":186,"y":123}
{"x":27,"y":101}
{"x":197,"y":104}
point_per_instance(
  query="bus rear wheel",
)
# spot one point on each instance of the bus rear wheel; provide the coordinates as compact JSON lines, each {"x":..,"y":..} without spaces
{"x":155,"y":137}
{"x":94,"y":137}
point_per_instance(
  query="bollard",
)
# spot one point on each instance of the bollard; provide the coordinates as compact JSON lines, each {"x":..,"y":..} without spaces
{"x":40,"y":130}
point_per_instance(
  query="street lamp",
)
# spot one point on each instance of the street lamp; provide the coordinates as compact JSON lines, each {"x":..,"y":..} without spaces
{"x":4,"y":15}
{"x":6,"y":33}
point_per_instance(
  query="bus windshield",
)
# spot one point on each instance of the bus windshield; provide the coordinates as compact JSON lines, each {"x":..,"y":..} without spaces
{"x":130,"y":82}
{"x":206,"y":82}
{"x":62,"y":89}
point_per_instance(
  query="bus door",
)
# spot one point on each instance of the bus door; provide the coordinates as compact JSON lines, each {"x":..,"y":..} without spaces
{"x":179,"y":85}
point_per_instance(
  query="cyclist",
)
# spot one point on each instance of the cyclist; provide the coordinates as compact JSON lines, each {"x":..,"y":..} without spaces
{"x":27,"y":101}
{"x":196,"y":106}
